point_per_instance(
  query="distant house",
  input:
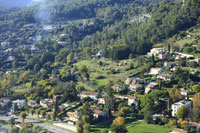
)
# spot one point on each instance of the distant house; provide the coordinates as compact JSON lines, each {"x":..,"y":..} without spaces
{"x":177,"y":105}
{"x":128,"y":81}
{"x":155,"y":116}
{"x":5,"y":44}
{"x":10,"y":58}
{"x":150,"y":87}
{"x":198,"y":61}
{"x":133,"y":101}
{"x":135,"y":87}
{"x":73,"y":116}
{"x":8,"y":72}
{"x":32,"y":103}
{"x":64,"y":35}
{"x":62,"y":44}
{"x":32,"y":47}
{"x":76,"y":58}
{"x":169,"y":64}
{"x":91,"y":94}
{"x":20,"y":125}
{"x":99,"y":113}
{"x":161,"y":56}
{"x":178,"y":130}
{"x":20,"y":46}
{"x":56,"y":97}
{"x":53,"y":76}
{"x":99,"y":54}
{"x":19,"y":103}
{"x":187,"y":56}
{"x":101,"y":101}
{"x":46,"y":103}
{"x":173,"y":69}
{"x":155,"y":71}
{"x":8,"y":50}
{"x":184,"y":92}
{"x":118,"y":88}
{"x":156,"y":51}
{"x":4,"y":101}
{"x":178,"y":58}
{"x":159,"y":52}
{"x":165,"y":77}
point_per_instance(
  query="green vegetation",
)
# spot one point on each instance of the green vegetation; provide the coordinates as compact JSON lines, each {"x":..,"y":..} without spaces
{"x":142,"y":127}
{"x":101,"y":75}
{"x":53,"y":51}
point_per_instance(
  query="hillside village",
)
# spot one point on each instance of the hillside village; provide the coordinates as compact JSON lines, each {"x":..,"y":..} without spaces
{"x":129,"y":93}
{"x":100,"y":66}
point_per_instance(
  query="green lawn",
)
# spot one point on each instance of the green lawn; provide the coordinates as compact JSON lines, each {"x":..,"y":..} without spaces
{"x":98,"y":128}
{"x":101,"y":75}
{"x":142,"y":127}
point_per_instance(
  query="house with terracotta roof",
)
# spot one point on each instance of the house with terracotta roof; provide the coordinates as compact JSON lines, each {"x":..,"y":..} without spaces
{"x":135,"y":87}
{"x":46,"y":103}
{"x":101,"y":101}
{"x":56,"y":97}
{"x":133,"y":101}
{"x":128,"y":81}
{"x":32,"y":103}
{"x":73,"y":116}
{"x":91,"y":94}
{"x":98,"y":113}
{"x":20,"y":125}
{"x":150,"y":87}
{"x":184,"y":92}
{"x":155,"y":71}
{"x":118,"y":88}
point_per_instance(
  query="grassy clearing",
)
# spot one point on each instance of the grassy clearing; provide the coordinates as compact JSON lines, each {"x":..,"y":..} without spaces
{"x":21,"y":89}
{"x":142,"y":127}
{"x":102,"y":75}
{"x":98,"y":128}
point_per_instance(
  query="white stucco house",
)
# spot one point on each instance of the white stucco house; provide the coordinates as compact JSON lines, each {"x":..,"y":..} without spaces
{"x":177,"y":105}
{"x":133,"y":101}
{"x":10,"y":58}
{"x":99,"y":113}
{"x":155,"y":71}
{"x":19,"y":103}
{"x":91,"y":94}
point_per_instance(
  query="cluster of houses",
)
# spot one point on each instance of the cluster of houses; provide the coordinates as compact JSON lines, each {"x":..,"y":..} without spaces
{"x":133,"y":84}
{"x":158,"y":52}
{"x":161,"y":53}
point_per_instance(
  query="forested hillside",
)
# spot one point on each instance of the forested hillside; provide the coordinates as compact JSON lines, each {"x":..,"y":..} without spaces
{"x":120,"y":28}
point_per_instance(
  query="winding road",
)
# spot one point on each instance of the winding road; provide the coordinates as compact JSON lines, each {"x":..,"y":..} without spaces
{"x":49,"y":127}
